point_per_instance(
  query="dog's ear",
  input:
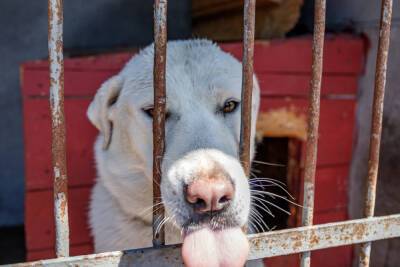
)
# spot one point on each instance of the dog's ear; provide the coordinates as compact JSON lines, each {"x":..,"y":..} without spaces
{"x":99,"y":109}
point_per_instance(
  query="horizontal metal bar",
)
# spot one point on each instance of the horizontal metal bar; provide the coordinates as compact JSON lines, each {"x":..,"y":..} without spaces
{"x":263,"y":245}
{"x":322,"y":236}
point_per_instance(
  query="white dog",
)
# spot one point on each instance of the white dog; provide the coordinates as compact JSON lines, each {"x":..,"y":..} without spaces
{"x":204,"y":188}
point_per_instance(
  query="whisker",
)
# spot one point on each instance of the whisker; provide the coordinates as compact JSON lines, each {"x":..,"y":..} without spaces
{"x":256,"y":221}
{"x":162,"y":223}
{"x":261,"y":219}
{"x":272,"y":204}
{"x":278,"y":196}
{"x":264,"y":209}
{"x":281,"y":187}
{"x":269,"y":163}
{"x":251,"y":222}
{"x":149,"y":208}
{"x":260,"y":194}
{"x":261,"y":203}
{"x":268,"y":179}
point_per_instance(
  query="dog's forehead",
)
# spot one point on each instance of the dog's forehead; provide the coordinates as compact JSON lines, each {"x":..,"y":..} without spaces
{"x":193,"y":67}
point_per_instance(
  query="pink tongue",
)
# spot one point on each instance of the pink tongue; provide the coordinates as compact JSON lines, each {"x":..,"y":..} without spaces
{"x":215,"y":248}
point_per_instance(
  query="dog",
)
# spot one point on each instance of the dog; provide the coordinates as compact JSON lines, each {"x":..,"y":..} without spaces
{"x":204,"y":188}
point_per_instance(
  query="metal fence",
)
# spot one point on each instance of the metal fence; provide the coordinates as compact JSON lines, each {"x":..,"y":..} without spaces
{"x":297,"y":240}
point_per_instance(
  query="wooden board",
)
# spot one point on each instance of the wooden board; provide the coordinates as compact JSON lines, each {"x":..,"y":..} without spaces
{"x":75,"y":250}
{"x":331,"y":188}
{"x":39,"y":220}
{"x":80,"y":136}
{"x":344,"y":55}
{"x":283,"y":68}
{"x":86,"y":83}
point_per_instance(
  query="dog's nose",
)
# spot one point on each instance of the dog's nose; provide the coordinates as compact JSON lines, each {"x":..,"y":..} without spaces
{"x":208,"y":195}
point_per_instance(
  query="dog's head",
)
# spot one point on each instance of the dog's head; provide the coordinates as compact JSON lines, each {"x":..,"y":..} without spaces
{"x":204,"y":187}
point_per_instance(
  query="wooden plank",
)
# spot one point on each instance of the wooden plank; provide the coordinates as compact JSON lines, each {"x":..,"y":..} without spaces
{"x":37,"y":135}
{"x":76,"y":83}
{"x":331,"y":188}
{"x":298,"y":85}
{"x":211,"y":7}
{"x":343,"y":54}
{"x":39,"y":223}
{"x":331,"y":216}
{"x":86,"y":83}
{"x":75,"y":250}
{"x":106,"y":61}
{"x":333,"y":257}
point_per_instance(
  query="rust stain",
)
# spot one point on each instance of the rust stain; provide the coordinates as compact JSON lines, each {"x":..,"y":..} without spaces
{"x":56,"y":72}
{"x":314,"y":239}
{"x":159,"y":73}
{"x":359,"y":231}
{"x":247,"y":83}
{"x":313,"y":119}
{"x":377,"y":114}
{"x":296,"y":245}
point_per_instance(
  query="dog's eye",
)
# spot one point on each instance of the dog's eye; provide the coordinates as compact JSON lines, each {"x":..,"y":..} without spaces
{"x":230,"y":106}
{"x":150,"y":112}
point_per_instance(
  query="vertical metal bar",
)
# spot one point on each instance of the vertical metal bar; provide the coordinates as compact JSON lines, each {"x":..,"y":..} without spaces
{"x":55,"y":42}
{"x":160,"y":58}
{"x":313,"y":120}
{"x":247,"y":82}
{"x":376,"y":125}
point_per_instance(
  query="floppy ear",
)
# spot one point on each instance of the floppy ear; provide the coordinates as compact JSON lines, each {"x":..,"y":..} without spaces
{"x":99,"y":110}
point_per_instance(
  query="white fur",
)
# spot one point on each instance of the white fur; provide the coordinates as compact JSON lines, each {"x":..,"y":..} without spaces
{"x":200,"y":78}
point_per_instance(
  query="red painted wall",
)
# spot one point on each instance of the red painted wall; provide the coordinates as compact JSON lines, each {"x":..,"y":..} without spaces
{"x":283,"y":68}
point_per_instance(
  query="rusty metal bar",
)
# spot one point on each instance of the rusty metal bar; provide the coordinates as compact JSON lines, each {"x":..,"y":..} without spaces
{"x":160,"y":59}
{"x":55,"y":42}
{"x":247,"y":82}
{"x":313,"y":120}
{"x":376,"y":125}
{"x":269,"y":244}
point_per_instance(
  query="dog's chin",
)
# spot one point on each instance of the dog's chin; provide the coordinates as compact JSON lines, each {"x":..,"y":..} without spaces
{"x":211,"y":245}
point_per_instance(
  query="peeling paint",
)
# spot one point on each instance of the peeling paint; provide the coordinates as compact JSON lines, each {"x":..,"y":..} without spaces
{"x":56,"y":72}
{"x":313,"y":120}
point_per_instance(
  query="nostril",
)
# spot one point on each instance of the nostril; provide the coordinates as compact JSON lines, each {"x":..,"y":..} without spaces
{"x":200,"y":204}
{"x":223,"y":200}
{"x":209,"y":195}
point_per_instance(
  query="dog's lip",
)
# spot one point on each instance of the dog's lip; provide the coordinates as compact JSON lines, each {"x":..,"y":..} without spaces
{"x":217,"y":222}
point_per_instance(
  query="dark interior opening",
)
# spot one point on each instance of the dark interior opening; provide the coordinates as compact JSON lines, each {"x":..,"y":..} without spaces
{"x":274,"y":175}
